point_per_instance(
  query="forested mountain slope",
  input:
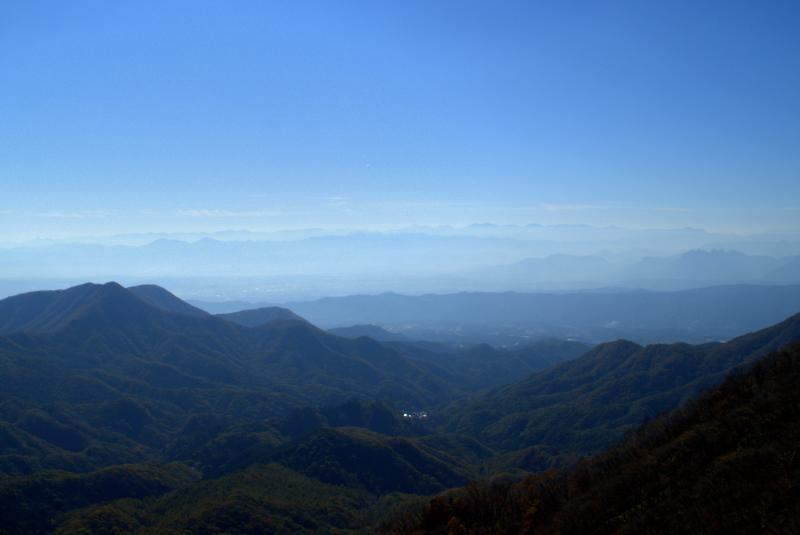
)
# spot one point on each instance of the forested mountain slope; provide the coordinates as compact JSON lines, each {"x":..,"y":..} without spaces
{"x":725,"y":463}
{"x":93,"y":376}
{"x":129,"y":413}
{"x":585,"y":405}
{"x":260,"y":316}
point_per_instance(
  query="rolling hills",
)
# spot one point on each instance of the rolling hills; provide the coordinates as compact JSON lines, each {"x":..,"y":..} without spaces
{"x":124,"y":411}
{"x":94,"y":370}
{"x":585,"y":405}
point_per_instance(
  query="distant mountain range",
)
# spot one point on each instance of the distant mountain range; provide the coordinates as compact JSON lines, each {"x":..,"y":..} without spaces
{"x":675,"y":239}
{"x":692,"y":269}
{"x":372,"y":331}
{"x":697,"y":315}
{"x":308,"y":264}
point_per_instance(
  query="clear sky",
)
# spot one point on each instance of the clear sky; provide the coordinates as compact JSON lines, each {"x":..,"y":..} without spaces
{"x":159,"y":116}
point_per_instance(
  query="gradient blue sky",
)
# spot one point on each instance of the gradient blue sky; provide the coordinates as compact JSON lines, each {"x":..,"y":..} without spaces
{"x":173,"y":116}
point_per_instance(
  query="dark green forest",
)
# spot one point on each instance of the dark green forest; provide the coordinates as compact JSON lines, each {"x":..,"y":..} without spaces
{"x":130,"y":411}
{"x":726,"y":462}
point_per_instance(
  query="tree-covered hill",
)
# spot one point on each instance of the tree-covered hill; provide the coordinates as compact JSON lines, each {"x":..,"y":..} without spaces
{"x":725,"y":463}
{"x":585,"y":405}
{"x":484,"y":366}
{"x":259,"y":316}
{"x":94,"y":375}
{"x":165,"y":300}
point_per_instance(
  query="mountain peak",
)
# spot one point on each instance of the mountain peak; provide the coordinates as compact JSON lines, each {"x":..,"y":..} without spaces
{"x":53,"y":310}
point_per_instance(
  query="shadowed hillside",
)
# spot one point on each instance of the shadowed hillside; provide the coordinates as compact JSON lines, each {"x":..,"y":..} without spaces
{"x":260,"y":316}
{"x":725,"y":463}
{"x":94,"y":375}
{"x":585,"y":405}
{"x":161,"y":298}
{"x":126,"y":413}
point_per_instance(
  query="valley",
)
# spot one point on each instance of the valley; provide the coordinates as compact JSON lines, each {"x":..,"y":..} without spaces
{"x":132,"y":389}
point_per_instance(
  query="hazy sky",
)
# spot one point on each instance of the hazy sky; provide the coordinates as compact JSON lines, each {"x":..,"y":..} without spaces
{"x":131,"y":116}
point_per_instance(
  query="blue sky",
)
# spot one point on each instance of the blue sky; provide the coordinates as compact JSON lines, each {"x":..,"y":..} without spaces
{"x":175,"y":116}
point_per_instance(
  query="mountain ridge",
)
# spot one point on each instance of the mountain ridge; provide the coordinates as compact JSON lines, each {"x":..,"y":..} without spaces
{"x":723,"y":463}
{"x":259,"y":316}
{"x":612,"y":388}
{"x":704,"y":314}
{"x":241,"y":424}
